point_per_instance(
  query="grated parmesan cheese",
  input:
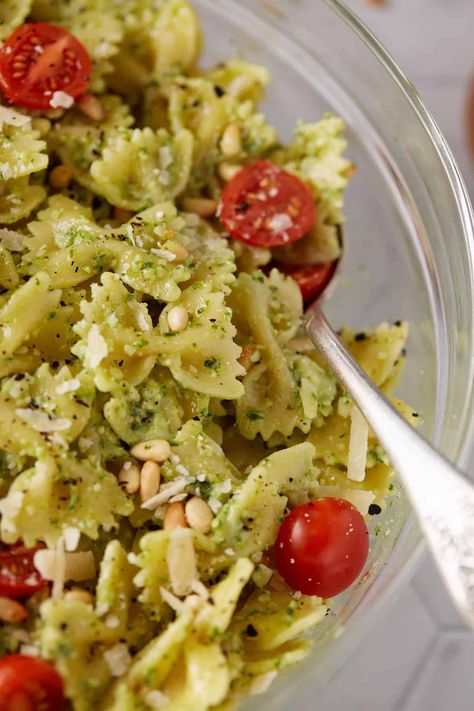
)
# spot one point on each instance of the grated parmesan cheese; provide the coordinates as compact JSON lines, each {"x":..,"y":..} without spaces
{"x":358,"y":442}
{"x":12,"y":240}
{"x":42,"y":421}
{"x":96,"y":348}
{"x":118,"y":659}
{"x":181,"y":561}
{"x":61,"y":100}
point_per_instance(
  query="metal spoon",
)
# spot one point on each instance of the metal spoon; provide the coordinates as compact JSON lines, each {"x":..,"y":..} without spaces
{"x":442,"y":498}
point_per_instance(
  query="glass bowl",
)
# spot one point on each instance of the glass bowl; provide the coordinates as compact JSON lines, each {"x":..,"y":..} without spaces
{"x":409,"y":248}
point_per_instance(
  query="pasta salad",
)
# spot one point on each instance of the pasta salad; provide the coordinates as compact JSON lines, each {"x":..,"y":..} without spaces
{"x":185,"y":485}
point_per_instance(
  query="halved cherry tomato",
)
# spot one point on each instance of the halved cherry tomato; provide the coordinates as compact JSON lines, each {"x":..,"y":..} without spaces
{"x":311,"y":278}
{"x":266,"y":206}
{"x":322,"y":547}
{"x":18,"y":576}
{"x":29,"y":684}
{"x":39,"y":59}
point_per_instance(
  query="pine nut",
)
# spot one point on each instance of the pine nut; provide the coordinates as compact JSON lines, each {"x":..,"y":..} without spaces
{"x":42,"y":125}
{"x":122,"y":215}
{"x":174,"y":517}
{"x":149,"y":480}
{"x":178,"y":318}
{"x":198,"y":515}
{"x":91,"y":107}
{"x":60,"y":177}
{"x":228,"y":171}
{"x":12,"y":611}
{"x":78,"y":595}
{"x":179,"y":250}
{"x":231,"y":141}
{"x":130,"y":479}
{"x":155,"y":450}
{"x":204,"y":207}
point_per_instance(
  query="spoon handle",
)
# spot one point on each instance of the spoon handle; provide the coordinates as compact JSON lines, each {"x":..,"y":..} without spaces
{"x":442,"y":498}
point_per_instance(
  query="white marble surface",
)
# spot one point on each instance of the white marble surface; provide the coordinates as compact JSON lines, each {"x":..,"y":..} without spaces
{"x":418,"y":657}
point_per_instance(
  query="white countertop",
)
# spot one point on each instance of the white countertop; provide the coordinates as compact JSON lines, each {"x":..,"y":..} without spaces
{"x":418,"y":657}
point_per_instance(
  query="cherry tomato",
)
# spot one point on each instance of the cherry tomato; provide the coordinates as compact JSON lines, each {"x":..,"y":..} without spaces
{"x":311,"y":278}
{"x":18,"y":576}
{"x":39,"y":59}
{"x":266,"y":206}
{"x":322,"y":547}
{"x":29,"y":684}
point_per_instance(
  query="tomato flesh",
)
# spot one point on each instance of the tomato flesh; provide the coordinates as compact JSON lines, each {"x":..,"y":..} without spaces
{"x":29,"y":684}
{"x":18,"y":576}
{"x":322,"y":547}
{"x":266,"y":206}
{"x":312,"y":279}
{"x":39,"y":59}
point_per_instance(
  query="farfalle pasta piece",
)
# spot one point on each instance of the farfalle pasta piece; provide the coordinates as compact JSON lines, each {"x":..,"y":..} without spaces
{"x":23,"y":314}
{"x":52,"y":402}
{"x":283,"y":392}
{"x":150,"y":411}
{"x":150,"y":667}
{"x":198,"y":105}
{"x":78,"y":140}
{"x":248,"y":523}
{"x":197,"y":454}
{"x":19,"y":199}
{"x":175,"y":37}
{"x":21,"y":151}
{"x":203,"y":356}
{"x":212,"y":259}
{"x":141,"y":167}
{"x":59,"y":492}
{"x":114,"y":328}
{"x":242,"y":80}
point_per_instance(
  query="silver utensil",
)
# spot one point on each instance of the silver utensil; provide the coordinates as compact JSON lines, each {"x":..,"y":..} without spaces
{"x":441,"y":497}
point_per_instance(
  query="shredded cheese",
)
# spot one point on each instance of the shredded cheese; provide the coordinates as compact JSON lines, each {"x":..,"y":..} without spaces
{"x":174,"y":602}
{"x":181,"y":561}
{"x":59,"y":571}
{"x":358,"y":442}
{"x":41,"y":421}
{"x":166,"y":492}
